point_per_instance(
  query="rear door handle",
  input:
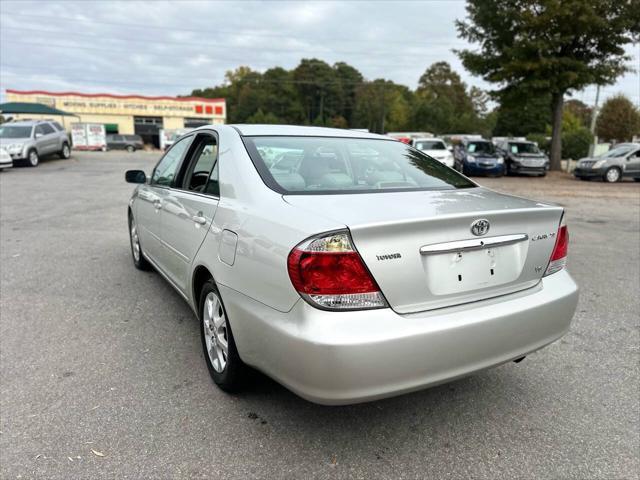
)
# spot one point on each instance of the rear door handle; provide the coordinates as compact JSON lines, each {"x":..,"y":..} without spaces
{"x":157,"y":204}
{"x":199,"y":219}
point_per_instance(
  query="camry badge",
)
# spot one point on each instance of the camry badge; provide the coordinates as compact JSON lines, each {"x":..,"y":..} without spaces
{"x":480,"y":227}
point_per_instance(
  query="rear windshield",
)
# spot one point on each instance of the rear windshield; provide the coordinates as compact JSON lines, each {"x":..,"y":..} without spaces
{"x":314,"y":165}
{"x":430,"y":145}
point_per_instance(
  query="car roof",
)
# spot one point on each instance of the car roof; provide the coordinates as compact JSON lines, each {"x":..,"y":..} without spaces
{"x":24,"y":123}
{"x":428,"y":139}
{"x":297,"y":131}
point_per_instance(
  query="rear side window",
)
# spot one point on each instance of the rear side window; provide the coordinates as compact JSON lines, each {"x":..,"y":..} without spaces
{"x":46,"y":128}
{"x":316,"y":165}
{"x":57,"y":126}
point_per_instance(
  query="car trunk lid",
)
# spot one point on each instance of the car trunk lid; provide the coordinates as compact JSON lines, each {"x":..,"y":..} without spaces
{"x":420,"y":249}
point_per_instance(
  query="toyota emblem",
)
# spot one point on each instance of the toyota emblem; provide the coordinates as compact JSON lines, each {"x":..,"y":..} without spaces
{"x":480,"y":227}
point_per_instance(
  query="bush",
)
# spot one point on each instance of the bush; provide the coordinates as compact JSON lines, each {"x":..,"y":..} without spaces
{"x":575,"y":143}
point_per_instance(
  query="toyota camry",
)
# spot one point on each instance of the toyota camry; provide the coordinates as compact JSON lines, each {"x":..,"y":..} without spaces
{"x":348,"y":266}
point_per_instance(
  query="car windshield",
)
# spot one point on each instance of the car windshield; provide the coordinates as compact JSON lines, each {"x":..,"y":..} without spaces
{"x":314,"y":165}
{"x":523,"y":148}
{"x":430,"y":145}
{"x":480,"y":147}
{"x":14,"y":131}
{"x":618,"y":152}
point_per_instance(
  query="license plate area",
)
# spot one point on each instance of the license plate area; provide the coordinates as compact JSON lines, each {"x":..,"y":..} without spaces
{"x":466,"y":270}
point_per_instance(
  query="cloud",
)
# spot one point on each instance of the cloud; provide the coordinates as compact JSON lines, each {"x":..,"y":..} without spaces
{"x":171,"y":48}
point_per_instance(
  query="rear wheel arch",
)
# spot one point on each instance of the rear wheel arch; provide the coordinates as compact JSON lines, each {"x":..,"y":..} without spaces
{"x":200,"y":276}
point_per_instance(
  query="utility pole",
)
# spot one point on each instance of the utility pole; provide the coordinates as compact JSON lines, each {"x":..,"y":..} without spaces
{"x":383,"y":108}
{"x":594,"y":115}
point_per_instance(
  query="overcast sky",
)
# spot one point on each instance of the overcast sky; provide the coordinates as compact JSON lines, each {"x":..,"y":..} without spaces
{"x":170,"y":48}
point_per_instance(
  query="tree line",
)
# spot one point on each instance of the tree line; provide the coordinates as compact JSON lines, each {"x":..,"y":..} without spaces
{"x":316,"y":93}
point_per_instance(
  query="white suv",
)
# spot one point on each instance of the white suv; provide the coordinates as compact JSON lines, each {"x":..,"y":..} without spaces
{"x":27,"y":141}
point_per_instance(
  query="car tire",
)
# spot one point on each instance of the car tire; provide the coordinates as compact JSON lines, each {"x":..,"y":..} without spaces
{"x":65,"y":153}
{"x":130,"y":148}
{"x":139,"y":261}
{"x":33,"y":159}
{"x":584,"y":179}
{"x":612,"y":175}
{"x":226,"y":368}
{"x":636,"y":179}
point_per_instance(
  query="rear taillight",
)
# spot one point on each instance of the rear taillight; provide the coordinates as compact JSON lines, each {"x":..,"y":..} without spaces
{"x":558,"y":258}
{"x":330,"y":274}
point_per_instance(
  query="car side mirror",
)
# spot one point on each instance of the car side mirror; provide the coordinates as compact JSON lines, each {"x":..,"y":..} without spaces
{"x":450,"y":148}
{"x":38,"y":135}
{"x":135,"y":176}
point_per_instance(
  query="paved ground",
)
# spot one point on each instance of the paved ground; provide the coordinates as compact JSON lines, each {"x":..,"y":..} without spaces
{"x":97,"y":356}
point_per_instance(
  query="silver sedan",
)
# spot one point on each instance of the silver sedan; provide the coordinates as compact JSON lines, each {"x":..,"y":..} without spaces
{"x":347,"y":266}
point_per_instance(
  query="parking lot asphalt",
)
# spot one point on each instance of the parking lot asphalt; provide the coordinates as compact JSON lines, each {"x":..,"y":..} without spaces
{"x":102,"y":373}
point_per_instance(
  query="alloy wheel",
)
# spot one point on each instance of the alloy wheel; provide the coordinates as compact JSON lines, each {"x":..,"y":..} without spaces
{"x":215,"y":332}
{"x":33,"y":158}
{"x":135,"y":241}
{"x":613,"y":175}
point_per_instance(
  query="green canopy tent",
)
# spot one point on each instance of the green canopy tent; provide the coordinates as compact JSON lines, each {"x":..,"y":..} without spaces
{"x":31,"y":109}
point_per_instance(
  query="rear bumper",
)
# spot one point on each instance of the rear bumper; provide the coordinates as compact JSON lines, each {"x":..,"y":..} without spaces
{"x":338,"y":358}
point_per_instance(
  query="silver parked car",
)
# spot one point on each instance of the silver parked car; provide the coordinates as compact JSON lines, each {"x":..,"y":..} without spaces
{"x":621,"y":161}
{"x":27,"y":141}
{"x":363,"y":269}
{"x":523,"y":157}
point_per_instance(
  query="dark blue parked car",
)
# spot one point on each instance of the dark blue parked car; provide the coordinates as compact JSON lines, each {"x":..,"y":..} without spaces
{"x":478,"y":157}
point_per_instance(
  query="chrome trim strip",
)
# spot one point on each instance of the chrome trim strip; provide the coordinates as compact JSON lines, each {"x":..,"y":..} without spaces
{"x":473,"y":244}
